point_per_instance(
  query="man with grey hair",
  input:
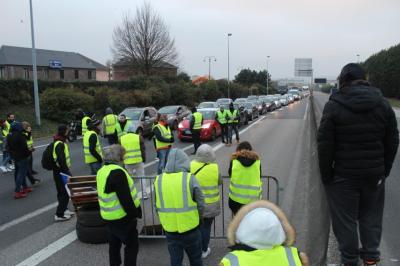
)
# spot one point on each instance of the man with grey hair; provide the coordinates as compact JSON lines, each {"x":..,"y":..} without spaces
{"x":119,"y":206}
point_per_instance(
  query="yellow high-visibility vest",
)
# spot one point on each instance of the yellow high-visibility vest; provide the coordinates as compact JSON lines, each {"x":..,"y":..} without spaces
{"x":198,"y":117}
{"x":166,"y":133}
{"x":110,"y":121}
{"x":66,"y":152}
{"x":233,"y":116}
{"x":245,"y":185}
{"x":207,"y":178}
{"x":176,"y":208}
{"x":221,"y":116}
{"x":119,"y":130}
{"x":278,"y":256}
{"x":89,"y":158}
{"x":131,"y":144}
{"x":110,"y":207}
{"x":84,"y":124}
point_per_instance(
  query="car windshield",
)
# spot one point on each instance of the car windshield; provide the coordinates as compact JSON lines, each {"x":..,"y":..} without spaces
{"x":207,"y":115}
{"x":168,"y":110}
{"x":240,"y":100}
{"x":133,"y":114}
{"x":248,"y":105}
{"x":223,"y":101}
{"x":206,"y":105}
{"x":294,"y":92}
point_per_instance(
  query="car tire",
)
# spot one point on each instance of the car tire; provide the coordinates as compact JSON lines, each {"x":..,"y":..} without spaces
{"x":90,"y":217}
{"x":92,"y":235}
{"x":214,"y":134}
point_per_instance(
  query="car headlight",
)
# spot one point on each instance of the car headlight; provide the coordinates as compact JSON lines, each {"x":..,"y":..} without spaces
{"x":206,"y":126}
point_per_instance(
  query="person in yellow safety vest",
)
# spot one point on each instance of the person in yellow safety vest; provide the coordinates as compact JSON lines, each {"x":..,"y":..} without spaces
{"x":180,"y":206}
{"x":196,"y":121}
{"x":122,"y":125}
{"x":205,"y":168}
{"x":163,"y":139}
{"x":119,"y":206}
{"x":222,"y":118}
{"x":233,"y":123}
{"x":27,"y":131}
{"x":261,"y":235}
{"x":108,"y":126}
{"x":9,"y":164}
{"x":3,"y":147}
{"x":86,"y":120}
{"x":61,"y":156}
{"x":135,"y":157}
{"x":245,"y":173}
{"x":92,"y":147}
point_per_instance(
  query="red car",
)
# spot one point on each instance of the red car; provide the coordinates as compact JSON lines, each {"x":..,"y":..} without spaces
{"x":210,"y":129}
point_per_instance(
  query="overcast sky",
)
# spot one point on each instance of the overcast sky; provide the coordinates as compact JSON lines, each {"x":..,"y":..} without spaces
{"x":332,"y":33}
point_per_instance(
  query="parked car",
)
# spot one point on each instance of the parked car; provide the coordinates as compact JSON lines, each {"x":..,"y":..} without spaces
{"x":223,"y":101}
{"x":240,"y":101}
{"x":210,"y":129}
{"x":290,"y":98}
{"x":269,"y":103}
{"x":277,"y":101}
{"x":243,"y":116}
{"x":142,"y":118}
{"x":284,"y":100}
{"x":252,"y":97}
{"x":207,"y":105}
{"x":295,"y":93}
{"x":273,"y":105}
{"x":175,"y":114}
{"x":251,"y":110}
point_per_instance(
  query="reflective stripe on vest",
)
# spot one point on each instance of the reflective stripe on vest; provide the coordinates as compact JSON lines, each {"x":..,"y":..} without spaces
{"x":110,"y":207}
{"x":278,"y":256}
{"x":207,"y":178}
{"x":120,"y":131}
{"x":66,"y":153}
{"x":89,"y":158}
{"x":110,"y":121}
{"x":166,"y":133}
{"x":84,"y":124}
{"x":197,"y":120}
{"x":7,"y":128}
{"x":29,"y":142}
{"x":221,"y":117}
{"x":176,"y":209}
{"x":131,"y":144}
{"x":245,"y":185}
{"x":233,"y":116}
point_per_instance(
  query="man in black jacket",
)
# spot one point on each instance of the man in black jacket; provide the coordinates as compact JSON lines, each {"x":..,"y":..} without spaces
{"x":357,"y":144}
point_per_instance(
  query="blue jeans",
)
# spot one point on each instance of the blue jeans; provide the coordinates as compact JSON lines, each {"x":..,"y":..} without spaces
{"x":21,"y":170}
{"x":188,"y":242}
{"x":162,"y":156}
{"x":6,"y":158}
{"x":94,"y":167}
{"x":205,"y":229}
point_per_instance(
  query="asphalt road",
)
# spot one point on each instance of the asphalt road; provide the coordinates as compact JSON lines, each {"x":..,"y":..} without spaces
{"x":285,"y":139}
{"x":390,"y":244}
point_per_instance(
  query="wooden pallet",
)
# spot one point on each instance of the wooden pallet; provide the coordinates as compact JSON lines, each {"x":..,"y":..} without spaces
{"x":83,"y":190}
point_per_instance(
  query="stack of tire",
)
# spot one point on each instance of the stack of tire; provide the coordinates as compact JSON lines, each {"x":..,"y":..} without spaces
{"x":90,"y":227}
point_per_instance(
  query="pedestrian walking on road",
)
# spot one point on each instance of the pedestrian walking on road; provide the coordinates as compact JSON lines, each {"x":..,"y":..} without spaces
{"x":4,"y":148}
{"x":86,"y":120}
{"x":222,"y":119}
{"x":233,"y":123}
{"x":357,"y":143}
{"x":92,"y":147}
{"x":108,"y":126}
{"x":122,"y":126}
{"x":245,"y":173}
{"x":135,"y":157}
{"x":196,"y":121}
{"x":163,"y":139}
{"x":20,"y":153}
{"x":27,"y":130}
{"x":61,"y":157}
{"x":260,"y":234}
{"x":180,"y":205}
{"x":205,"y":168}
{"x":119,"y":206}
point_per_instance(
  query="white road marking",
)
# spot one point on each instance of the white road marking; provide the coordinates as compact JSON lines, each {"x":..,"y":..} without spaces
{"x":305,"y":113}
{"x":61,"y":243}
{"x":49,"y":250}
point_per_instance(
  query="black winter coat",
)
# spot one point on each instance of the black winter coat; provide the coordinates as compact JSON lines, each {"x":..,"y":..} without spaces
{"x":358,"y":136}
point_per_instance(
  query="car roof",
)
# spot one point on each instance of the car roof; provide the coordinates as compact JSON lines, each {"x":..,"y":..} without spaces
{"x":207,"y":109}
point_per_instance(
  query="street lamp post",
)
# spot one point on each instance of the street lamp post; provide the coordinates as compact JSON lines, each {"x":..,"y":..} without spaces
{"x":34,"y":67}
{"x":267,"y":74}
{"x":229,"y":35}
{"x":358,"y":58}
{"x":209,"y":59}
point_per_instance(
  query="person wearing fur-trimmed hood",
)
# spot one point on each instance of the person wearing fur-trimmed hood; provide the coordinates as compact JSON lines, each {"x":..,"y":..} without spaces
{"x":260,"y":234}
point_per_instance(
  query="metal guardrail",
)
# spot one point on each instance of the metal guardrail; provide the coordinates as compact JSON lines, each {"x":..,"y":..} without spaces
{"x":149,"y":225}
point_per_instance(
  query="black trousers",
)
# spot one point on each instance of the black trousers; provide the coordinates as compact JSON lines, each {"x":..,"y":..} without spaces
{"x":356,"y":209}
{"x":62,"y":194}
{"x":224,"y":133}
{"x":126,"y":234}
{"x":112,"y":139}
{"x":234,"y":206}
{"x":196,"y":139}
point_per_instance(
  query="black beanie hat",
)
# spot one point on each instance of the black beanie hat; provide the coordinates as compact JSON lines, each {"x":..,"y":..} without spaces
{"x":351,"y":72}
{"x":61,"y":130}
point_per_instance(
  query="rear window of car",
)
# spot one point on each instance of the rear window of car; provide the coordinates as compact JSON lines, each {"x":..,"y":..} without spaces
{"x":207,"y":115}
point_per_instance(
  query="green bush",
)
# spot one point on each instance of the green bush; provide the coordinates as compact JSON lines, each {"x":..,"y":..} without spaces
{"x":61,"y":104}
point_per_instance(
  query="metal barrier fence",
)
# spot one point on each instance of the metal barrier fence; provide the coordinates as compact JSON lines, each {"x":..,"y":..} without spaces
{"x":149,"y":226}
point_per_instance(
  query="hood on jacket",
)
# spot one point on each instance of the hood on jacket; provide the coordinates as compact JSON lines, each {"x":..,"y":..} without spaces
{"x":205,"y":154}
{"x":109,"y":111}
{"x":261,"y":225}
{"x":358,"y":97}
{"x":245,"y":157}
{"x":177,"y":161}
{"x":16,"y":127}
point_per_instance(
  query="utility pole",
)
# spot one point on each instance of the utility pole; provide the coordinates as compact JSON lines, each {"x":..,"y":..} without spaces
{"x":209,"y":59}
{"x":229,"y":35}
{"x":267,"y":74}
{"x":34,"y":67}
{"x":358,"y":58}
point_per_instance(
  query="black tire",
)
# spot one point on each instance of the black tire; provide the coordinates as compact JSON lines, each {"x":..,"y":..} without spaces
{"x":90,"y":217}
{"x":92,"y":235}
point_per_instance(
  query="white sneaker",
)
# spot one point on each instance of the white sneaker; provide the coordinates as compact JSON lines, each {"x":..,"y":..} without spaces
{"x":206,"y":254}
{"x":3,"y":169}
{"x":11,"y":166}
{"x":62,"y":219}
{"x":69,"y":213}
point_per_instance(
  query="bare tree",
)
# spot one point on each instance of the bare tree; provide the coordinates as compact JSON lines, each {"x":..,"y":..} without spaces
{"x":144,"y":40}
